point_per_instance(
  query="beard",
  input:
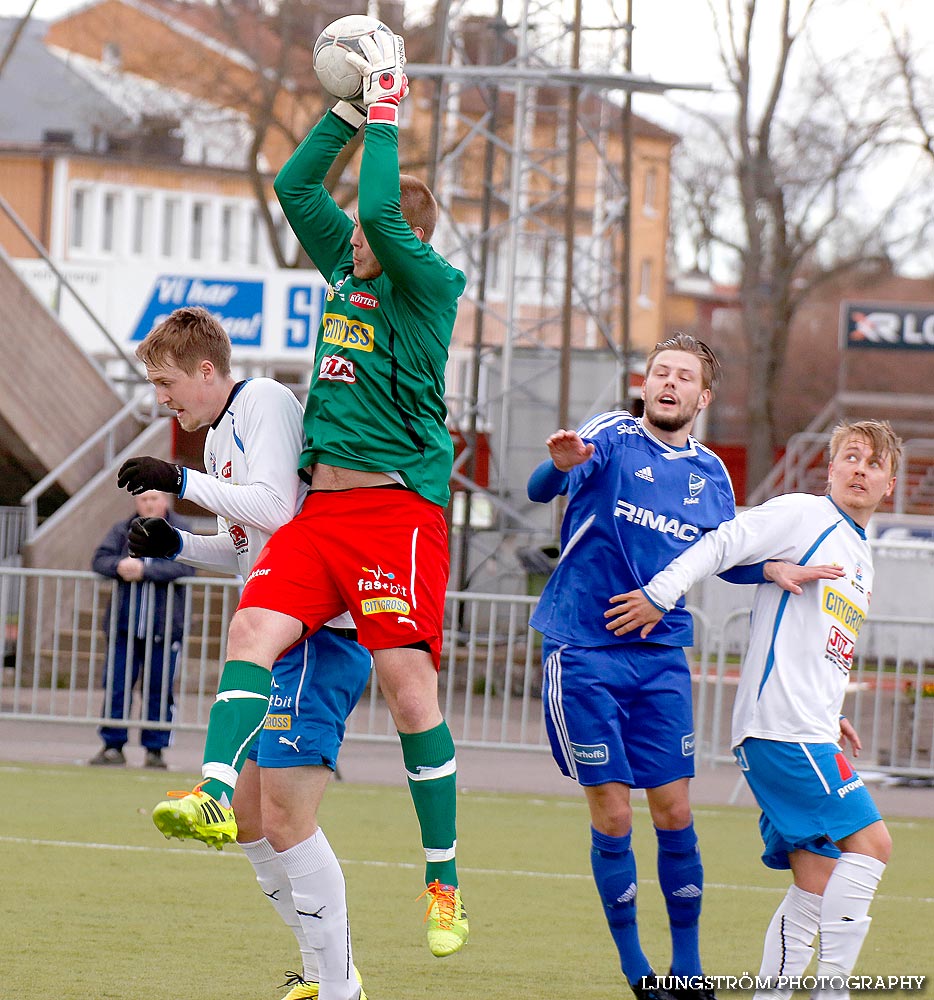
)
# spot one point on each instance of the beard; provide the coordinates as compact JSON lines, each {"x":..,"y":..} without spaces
{"x":668,"y":422}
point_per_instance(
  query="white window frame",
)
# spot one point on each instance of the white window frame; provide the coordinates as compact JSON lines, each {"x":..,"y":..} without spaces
{"x":112,"y":219}
{"x":650,"y":193}
{"x":644,"y":298}
{"x":80,"y":222}
{"x":255,"y":235}
{"x":229,"y":231}
{"x":141,"y":230}
{"x":199,"y":229}
{"x":170,"y":227}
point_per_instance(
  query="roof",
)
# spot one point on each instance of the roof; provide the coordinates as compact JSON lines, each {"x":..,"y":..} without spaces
{"x":48,"y":93}
{"x":41,"y":94}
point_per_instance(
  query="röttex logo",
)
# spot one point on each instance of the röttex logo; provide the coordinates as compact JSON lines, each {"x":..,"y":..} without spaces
{"x":364,"y":301}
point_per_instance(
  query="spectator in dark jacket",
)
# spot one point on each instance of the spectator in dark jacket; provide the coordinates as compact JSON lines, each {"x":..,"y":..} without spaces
{"x":144,"y":588}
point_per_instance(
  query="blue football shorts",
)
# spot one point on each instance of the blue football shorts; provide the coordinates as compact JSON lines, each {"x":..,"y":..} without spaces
{"x":619,"y":713}
{"x":315,"y":686}
{"x":809,"y":795}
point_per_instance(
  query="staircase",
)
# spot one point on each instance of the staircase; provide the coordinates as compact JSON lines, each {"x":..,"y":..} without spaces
{"x":64,"y":430}
{"x":803,"y":468}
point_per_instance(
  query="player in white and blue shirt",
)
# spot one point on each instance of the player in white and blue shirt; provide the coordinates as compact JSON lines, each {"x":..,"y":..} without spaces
{"x":619,"y":711}
{"x":818,"y":818}
{"x":251,"y":452}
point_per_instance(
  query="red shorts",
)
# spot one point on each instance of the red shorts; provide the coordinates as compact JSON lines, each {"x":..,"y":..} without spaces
{"x":380,"y":553}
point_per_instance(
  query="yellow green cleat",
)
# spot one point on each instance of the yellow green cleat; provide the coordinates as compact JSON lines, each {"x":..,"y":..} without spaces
{"x":446,"y":919}
{"x":304,"y":989}
{"x":195,"y":815}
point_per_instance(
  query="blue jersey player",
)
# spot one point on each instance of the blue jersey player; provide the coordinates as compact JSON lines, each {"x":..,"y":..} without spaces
{"x":619,"y":714}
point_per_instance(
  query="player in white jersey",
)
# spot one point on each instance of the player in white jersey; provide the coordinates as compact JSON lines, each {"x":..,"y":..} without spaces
{"x":818,"y":818}
{"x":251,"y":453}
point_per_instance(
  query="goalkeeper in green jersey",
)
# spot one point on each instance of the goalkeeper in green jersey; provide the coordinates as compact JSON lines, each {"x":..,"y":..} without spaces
{"x":371,"y":537}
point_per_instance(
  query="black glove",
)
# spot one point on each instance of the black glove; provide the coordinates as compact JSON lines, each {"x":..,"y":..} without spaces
{"x":154,"y":536}
{"x":144,"y":473}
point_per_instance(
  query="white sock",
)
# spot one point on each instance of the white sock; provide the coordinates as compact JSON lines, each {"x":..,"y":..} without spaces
{"x":844,"y":917}
{"x":274,"y":882}
{"x":318,"y":893}
{"x":787,"y":950}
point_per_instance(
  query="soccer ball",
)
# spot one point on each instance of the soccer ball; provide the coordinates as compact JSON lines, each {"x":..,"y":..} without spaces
{"x":339,"y":77}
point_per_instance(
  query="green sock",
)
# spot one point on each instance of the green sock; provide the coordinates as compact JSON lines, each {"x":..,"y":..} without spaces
{"x":236,"y":717}
{"x":429,"y":763}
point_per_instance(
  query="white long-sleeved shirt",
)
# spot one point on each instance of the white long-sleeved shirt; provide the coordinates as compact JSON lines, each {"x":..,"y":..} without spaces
{"x":795,"y":671}
{"x":251,"y":454}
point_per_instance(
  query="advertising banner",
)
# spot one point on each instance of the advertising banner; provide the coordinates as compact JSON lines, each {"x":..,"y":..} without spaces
{"x":889,"y":325}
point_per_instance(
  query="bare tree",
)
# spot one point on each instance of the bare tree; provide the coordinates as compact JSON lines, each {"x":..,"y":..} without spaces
{"x":788,"y":207}
{"x":280,"y":94}
{"x":916,"y":120}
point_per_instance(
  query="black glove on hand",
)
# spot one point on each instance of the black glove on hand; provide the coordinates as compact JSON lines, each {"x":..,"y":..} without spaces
{"x":144,"y":473}
{"x":154,"y":536}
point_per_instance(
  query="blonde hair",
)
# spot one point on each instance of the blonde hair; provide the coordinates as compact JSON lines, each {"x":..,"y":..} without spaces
{"x":710,"y":366}
{"x":184,"y":339}
{"x":878,"y":434}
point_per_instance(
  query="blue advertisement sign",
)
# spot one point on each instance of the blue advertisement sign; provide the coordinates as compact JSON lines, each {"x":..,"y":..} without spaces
{"x":892,"y":325}
{"x":303,"y":309}
{"x":238,"y":305}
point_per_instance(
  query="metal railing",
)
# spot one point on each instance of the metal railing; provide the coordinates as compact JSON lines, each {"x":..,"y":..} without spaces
{"x":12,"y":535}
{"x":58,"y":663}
{"x":140,"y":408}
{"x":133,"y":373}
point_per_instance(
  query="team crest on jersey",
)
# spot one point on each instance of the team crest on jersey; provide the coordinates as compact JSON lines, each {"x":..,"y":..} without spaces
{"x":696,"y":485}
{"x":239,"y":538}
{"x":334,"y":291}
{"x":212,"y":461}
{"x":363,"y":300}
{"x":857,"y":580}
{"x":334,"y":368}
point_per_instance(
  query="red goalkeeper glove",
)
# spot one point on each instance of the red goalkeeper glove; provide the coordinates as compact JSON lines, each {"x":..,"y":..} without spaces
{"x":384,"y":82}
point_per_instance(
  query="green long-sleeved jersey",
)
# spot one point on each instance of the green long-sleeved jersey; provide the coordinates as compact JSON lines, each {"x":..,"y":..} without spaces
{"x":376,"y":400}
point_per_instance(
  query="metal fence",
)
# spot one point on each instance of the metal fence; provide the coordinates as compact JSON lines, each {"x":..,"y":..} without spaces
{"x":12,"y":535}
{"x":58,"y":663}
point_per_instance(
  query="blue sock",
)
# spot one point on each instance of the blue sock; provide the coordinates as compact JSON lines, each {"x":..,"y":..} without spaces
{"x":614,"y":871}
{"x":681,"y":877}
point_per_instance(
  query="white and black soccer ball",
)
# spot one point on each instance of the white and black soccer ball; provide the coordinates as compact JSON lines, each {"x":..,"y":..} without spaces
{"x":340,"y":78}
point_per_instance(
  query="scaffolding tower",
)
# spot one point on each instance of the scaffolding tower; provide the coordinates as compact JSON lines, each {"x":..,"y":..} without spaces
{"x":531,"y":157}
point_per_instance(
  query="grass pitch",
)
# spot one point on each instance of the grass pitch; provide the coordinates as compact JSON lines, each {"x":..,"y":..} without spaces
{"x":95,"y":905}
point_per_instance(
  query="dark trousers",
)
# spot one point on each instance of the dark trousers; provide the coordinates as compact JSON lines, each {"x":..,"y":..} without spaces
{"x":118,"y":706}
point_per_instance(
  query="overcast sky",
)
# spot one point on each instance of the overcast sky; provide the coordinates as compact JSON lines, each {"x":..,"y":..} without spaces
{"x":673,"y":39}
